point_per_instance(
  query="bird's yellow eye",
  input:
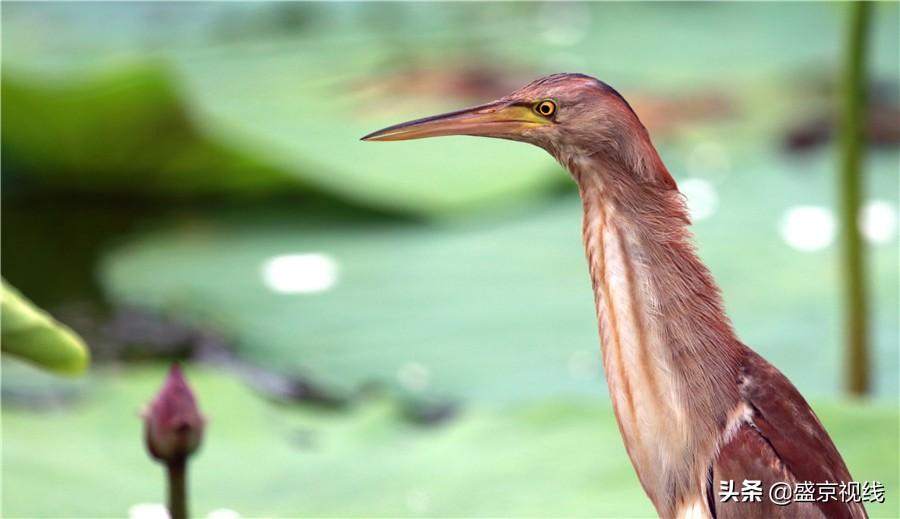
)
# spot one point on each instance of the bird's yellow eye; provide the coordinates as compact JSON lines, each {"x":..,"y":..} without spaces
{"x":545,"y":108}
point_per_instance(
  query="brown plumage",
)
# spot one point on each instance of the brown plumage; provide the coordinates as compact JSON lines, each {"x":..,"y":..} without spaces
{"x":694,"y":405}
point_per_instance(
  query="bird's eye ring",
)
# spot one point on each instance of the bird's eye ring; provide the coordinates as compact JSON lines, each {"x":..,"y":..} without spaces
{"x":546,"y":108}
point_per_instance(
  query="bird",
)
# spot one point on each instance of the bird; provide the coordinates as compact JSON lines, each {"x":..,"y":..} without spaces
{"x":700,"y":413}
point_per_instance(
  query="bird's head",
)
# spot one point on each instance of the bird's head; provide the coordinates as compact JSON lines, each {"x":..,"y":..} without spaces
{"x":558,"y":112}
{"x":588,"y":127}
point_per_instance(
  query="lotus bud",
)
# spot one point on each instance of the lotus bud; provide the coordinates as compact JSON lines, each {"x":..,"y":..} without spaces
{"x":173,"y":424}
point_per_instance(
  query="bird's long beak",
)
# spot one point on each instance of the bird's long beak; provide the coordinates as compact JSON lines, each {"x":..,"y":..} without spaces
{"x":501,"y":119}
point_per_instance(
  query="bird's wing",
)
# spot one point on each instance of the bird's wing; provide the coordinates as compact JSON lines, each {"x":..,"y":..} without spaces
{"x":749,"y":456}
{"x":783,"y":441}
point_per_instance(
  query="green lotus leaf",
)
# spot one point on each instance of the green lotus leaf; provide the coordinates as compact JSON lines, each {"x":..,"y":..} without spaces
{"x":125,"y":133}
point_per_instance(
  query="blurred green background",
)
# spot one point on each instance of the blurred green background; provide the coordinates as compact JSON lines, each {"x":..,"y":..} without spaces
{"x":406,"y":329}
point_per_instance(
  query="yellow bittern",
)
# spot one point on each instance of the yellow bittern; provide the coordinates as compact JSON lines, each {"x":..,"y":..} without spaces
{"x":696,"y":408}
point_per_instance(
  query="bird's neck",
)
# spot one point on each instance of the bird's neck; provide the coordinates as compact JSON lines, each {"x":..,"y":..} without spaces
{"x":669,"y":350}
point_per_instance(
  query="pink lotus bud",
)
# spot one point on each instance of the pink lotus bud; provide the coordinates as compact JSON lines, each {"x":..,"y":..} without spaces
{"x":173,"y":424}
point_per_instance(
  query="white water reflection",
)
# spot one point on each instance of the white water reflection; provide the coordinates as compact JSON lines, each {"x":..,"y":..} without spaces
{"x":807,"y":228}
{"x":307,"y":273}
{"x":878,"y":221}
{"x":148,"y":511}
{"x":702,"y":198}
{"x":414,"y":376}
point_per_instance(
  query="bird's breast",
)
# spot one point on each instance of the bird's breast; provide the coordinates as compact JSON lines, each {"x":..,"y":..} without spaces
{"x":668,"y":348}
{"x":644,"y":389}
